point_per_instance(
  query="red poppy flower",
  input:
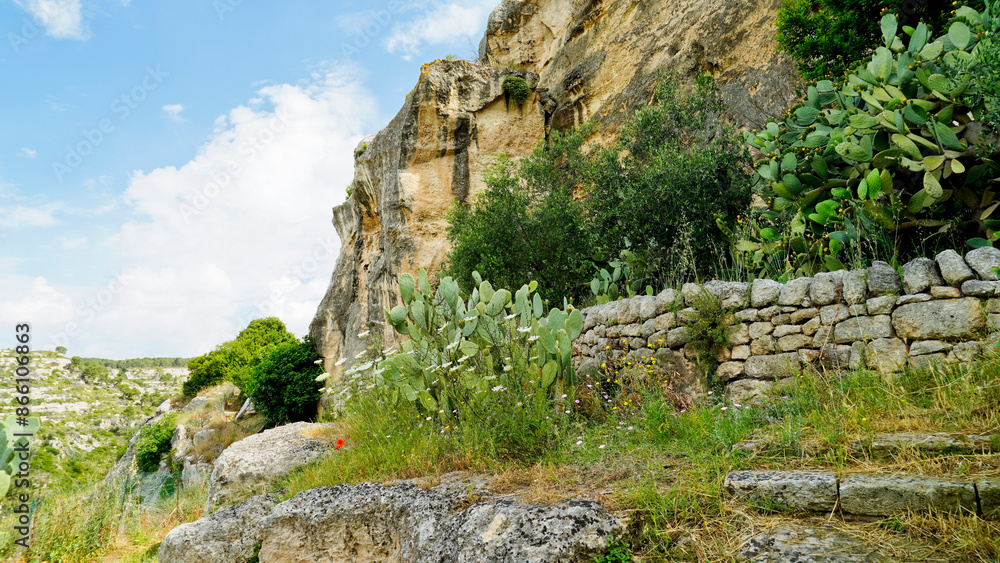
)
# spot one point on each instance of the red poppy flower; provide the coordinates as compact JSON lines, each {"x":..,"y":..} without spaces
{"x":339,"y":443}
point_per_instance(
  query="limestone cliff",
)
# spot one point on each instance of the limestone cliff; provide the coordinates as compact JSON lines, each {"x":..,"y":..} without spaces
{"x":584,"y":59}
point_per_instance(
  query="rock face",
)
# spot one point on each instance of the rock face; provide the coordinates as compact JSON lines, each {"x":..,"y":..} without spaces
{"x":401,"y":523}
{"x":433,"y":153}
{"x":584,"y":59}
{"x":259,"y":459}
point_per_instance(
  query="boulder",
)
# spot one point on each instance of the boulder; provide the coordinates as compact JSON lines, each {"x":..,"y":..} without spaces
{"x":984,"y":261}
{"x":953,"y":268}
{"x":863,"y":328}
{"x":881,"y":305}
{"x":732,"y":295}
{"x":919,"y":275}
{"x":886,"y":355}
{"x":883,"y":279}
{"x":746,"y":390}
{"x":797,"y":543}
{"x":795,"y":292}
{"x":372,"y":522}
{"x":856,"y":286}
{"x":948,"y":319}
{"x":978,"y":288}
{"x":826,"y":287}
{"x":256,"y":460}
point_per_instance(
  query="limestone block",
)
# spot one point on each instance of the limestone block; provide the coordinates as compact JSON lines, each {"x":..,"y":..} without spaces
{"x":915,"y":298}
{"x":919,"y":275}
{"x":883,"y":279}
{"x":921,"y":347}
{"x":746,"y":315}
{"x":745,"y":390}
{"x":678,"y":337}
{"x":945,"y":292}
{"x":793,"y":342}
{"x":978,"y":288}
{"x":758,"y":329}
{"x":946,"y":319}
{"x":795,"y":292}
{"x":989,"y":497}
{"x":856,"y":286}
{"x":732,"y":295}
{"x":953,"y":268}
{"x":832,"y":314}
{"x":885,"y":495}
{"x":887,"y":355}
{"x":927,"y":362}
{"x":772,"y":367}
{"x":764,"y":293}
{"x":740,"y":335}
{"x":802,"y":490}
{"x":762,"y":346}
{"x":785,"y":330}
{"x":863,"y":328}
{"x":826,"y":287}
{"x":881,"y":305}
{"x":983,"y":261}
{"x":768,"y":313}
{"x":740,"y":352}
{"x":729,"y":370}
{"x":811,"y":326}
{"x":781,"y":319}
{"x":802,"y":315}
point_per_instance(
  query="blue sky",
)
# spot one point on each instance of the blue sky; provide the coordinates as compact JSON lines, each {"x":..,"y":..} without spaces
{"x":168,"y":168}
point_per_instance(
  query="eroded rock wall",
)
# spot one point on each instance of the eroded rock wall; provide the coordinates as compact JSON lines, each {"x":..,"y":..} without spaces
{"x":584,"y":59}
{"x":433,"y":153}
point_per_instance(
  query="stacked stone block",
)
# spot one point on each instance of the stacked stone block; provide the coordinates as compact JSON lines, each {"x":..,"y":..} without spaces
{"x":937,"y":312}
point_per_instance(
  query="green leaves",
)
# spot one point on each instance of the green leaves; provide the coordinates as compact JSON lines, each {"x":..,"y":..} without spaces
{"x":960,"y":34}
{"x":888,"y":25}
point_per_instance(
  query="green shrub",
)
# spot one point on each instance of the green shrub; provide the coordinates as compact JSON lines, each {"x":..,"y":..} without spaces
{"x":659,"y":192}
{"x":526,"y":224}
{"x":517,"y":90}
{"x":282,"y":383}
{"x":230,"y":361}
{"x":153,"y":442}
{"x":884,"y":156}
{"x":829,"y":37}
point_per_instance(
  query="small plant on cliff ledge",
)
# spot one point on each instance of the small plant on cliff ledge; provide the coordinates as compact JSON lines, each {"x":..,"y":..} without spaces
{"x":517,"y":90}
{"x":710,"y":333}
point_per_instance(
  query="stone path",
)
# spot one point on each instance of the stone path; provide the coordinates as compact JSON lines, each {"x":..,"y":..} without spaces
{"x":867,"y":494}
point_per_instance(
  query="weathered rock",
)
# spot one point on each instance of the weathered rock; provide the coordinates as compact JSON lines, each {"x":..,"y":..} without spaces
{"x":794,"y":543}
{"x":945,"y":292}
{"x":921,"y":347}
{"x":793,"y":342}
{"x":746,"y":315}
{"x":764,"y":293}
{"x":884,"y":445}
{"x":795,"y":292}
{"x":885,"y":495}
{"x":801,"y":315}
{"x":857,"y":360}
{"x":856,"y":286}
{"x":965,"y":351}
{"x":785,"y":330}
{"x":740,"y":352}
{"x":740,"y":335}
{"x":832,"y":314}
{"x":858,"y":310}
{"x":782,"y":319}
{"x":984,"y":261}
{"x":863,"y":328}
{"x":948,"y":319}
{"x":886,"y":355}
{"x":744,"y":390}
{"x":881,"y":305}
{"x":732,"y":295}
{"x":883,"y":279}
{"x":758,"y":329}
{"x":772,"y":367}
{"x":927,"y":362}
{"x":230,"y":535}
{"x":989,"y":497}
{"x":729,"y":370}
{"x":259,"y":459}
{"x":678,"y":337}
{"x":246,"y":410}
{"x":768,"y":313}
{"x":954,"y":270}
{"x":204,"y":435}
{"x":826,"y":287}
{"x":916,"y":298}
{"x":164,"y":407}
{"x":977,"y":288}
{"x":811,"y":326}
{"x":919,"y":275}
{"x":371,"y":522}
{"x":762,"y":346}
{"x":195,"y":474}
{"x":802,"y":490}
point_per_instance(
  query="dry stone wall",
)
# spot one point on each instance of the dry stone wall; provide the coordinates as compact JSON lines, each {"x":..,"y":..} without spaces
{"x":938,"y":311}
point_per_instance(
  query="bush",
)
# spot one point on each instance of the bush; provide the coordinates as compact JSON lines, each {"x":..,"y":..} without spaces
{"x":674,"y":173}
{"x":517,"y":89}
{"x":282,"y":383}
{"x":230,"y":361}
{"x":526,"y":225}
{"x":829,"y":37}
{"x":886,"y":156}
{"x":153,"y":442}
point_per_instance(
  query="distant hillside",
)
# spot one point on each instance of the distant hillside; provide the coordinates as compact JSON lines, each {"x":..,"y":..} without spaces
{"x":88,"y":412}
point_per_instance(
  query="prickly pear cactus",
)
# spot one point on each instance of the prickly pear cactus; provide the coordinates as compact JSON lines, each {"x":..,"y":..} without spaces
{"x":889,"y":152}
{"x":8,"y":447}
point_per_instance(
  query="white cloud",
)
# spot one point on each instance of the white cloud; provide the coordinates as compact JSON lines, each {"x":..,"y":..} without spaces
{"x":174,"y":111}
{"x":23,"y":216}
{"x":69,"y":243}
{"x":206,"y":249}
{"x":442,"y":23}
{"x":62,"y":19}
{"x":27,"y":153}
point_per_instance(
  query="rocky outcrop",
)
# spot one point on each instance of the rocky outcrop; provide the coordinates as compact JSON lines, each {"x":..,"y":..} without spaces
{"x":433,"y":153}
{"x":584,"y":59}
{"x":257,"y":460}
{"x":599,"y":58}
{"x":400,"y":523}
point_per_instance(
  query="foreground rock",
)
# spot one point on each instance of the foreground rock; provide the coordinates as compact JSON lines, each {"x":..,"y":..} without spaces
{"x":400,"y":523}
{"x":795,"y":543}
{"x":257,"y":460}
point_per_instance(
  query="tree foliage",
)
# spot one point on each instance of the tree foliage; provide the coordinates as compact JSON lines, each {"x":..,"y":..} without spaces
{"x":282,"y":382}
{"x":230,"y":361}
